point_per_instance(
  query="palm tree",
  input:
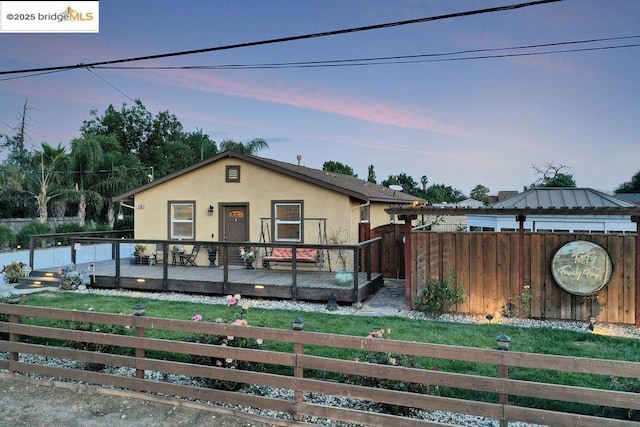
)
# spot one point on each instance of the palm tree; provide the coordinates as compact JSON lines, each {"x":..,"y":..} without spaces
{"x":251,"y":147}
{"x":86,"y":158}
{"x":44,"y":182}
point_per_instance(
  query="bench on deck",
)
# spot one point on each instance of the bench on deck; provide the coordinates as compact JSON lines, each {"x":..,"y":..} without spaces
{"x":303,"y":255}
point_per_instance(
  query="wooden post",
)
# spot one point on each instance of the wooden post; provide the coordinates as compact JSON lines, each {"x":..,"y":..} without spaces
{"x":13,"y":356}
{"x":298,"y":372}
{"x":503,"y":372}
{"x":521,"y":219}
{"x":408,"y":257}
{"x":140,"y":332}
{"x":636,"y":219}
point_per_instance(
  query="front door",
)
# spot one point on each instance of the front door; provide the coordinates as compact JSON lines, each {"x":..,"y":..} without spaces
{"x":235,"y":229}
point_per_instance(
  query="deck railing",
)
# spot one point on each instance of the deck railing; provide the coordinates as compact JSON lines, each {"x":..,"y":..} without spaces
{"x":22,"y":335}
{"x":365,"y":257}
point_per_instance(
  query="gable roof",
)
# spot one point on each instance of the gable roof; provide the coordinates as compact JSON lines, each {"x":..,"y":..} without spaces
{"x":561,"y":197}
{"x":345,"y":184}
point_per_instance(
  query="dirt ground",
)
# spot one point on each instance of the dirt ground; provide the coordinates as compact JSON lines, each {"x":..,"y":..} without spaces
{"x":36,"y":403}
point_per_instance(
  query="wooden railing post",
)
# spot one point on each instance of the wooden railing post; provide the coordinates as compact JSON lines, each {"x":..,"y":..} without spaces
{"x":503,"y":399}
{"x":13,"y":356}
{"x":298,"y":372}
{"x":140,"y":353}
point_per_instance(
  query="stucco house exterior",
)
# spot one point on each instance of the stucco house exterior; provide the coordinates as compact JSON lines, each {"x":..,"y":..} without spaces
{"x":237,"y":197}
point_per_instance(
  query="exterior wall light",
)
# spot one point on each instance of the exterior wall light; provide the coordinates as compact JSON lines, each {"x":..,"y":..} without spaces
{"x":210,"y":210}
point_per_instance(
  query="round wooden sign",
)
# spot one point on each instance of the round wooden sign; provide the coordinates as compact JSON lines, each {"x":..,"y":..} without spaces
{"x":581,"y":267}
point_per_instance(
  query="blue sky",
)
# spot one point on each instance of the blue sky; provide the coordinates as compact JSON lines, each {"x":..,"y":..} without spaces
{"x":461,"y":123}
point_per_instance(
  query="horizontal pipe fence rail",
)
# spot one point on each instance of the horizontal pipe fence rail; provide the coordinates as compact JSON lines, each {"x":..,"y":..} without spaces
{"x":298,"y":371}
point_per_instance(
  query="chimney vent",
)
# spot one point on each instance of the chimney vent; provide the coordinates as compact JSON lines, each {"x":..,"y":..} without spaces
{"x":299,"y":157}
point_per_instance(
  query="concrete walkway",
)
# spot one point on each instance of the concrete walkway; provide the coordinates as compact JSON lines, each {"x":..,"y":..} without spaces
{"x":388,"y":301}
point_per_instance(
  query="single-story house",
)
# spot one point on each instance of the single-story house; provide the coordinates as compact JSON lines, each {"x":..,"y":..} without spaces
{"x":551,"y":197}
{"x":238,"y":197}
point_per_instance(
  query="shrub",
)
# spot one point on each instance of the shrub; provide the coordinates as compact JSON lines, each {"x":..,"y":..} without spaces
{"x":15,"y":270}
{"x":438,"y":296}
{"x":97,"y":347}
{"x":385,"y":384}
{"x":237,"y":311}
{"x":7,"y":238}
{"x":30,"y":230}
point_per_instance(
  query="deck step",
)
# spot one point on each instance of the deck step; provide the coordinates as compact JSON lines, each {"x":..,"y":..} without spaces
{"x":31,"y":282}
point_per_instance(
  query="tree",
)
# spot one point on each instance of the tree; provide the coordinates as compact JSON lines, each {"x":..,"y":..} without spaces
{"x":440,"y":193}
{"x":46,"y":178}
{"x":552,"y":176}
{"x":337,"y":167}
{"x":424,"y":180}
{"x":408,"y":184}
{"x":480,"y":192}
{"x":632,"y":186}
{"x":86,"y":158}
{"x":371,"y":175}
{"x":252,"y":147}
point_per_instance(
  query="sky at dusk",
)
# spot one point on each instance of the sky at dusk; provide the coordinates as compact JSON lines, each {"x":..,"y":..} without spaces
{"x":461,"y":120}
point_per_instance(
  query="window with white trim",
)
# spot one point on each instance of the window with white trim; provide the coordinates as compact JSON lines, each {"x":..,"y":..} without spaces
{"x":287,"y":225}
{"x":182,"y":222}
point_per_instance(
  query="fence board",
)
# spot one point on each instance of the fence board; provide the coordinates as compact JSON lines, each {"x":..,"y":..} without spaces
{"x":629,"y":278}
{"x":487,"y":265}
{"x":301,"y":362}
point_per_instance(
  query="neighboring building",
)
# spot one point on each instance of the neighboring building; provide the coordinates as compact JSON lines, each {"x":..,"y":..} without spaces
{"x":243,"y":198}
{"x":572,"y":198}
{"x":501,"y":196}
{"x":633,"y":198}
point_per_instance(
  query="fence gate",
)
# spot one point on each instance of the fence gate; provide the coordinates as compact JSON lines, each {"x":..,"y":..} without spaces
{"x":392,"y":249}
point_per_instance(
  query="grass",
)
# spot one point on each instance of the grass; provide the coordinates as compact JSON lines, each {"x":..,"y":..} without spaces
{"x":533,"y":340}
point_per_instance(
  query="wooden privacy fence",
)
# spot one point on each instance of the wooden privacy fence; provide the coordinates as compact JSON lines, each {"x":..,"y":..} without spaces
{"x":299,"y":369}
{"x":487,"y":266}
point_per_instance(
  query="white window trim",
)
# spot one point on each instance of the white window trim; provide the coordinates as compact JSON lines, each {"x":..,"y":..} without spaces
{"x":182,"y":221}
{"x":278,"y":222}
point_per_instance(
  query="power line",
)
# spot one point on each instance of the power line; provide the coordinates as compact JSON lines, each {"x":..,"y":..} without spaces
{"x":383,"y":60}
{"x":291,"y":38}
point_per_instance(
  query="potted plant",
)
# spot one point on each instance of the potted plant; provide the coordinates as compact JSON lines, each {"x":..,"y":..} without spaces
{"x":139,"y":249}
{"x":15,"y":270}
{"x":248,"y":255}
{"x":213,"y":253}
{"x":343,"y":277}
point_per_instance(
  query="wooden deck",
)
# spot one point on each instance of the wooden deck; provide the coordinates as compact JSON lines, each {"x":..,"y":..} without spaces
{"x":305,"y":285}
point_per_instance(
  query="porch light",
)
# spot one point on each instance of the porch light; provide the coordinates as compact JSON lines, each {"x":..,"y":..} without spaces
{"x":503,"y":342}
{"x":298,"y":324}
{"x":210,"y":210}
{"x":139,"y":310}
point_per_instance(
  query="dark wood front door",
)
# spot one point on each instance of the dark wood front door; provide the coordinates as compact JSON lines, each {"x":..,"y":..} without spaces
{"x":235,"y":229}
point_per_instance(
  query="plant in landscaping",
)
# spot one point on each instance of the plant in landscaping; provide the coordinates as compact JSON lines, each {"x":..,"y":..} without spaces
{"x":522,"y":305}
{"x":15,"y":270}
{"x":7,"y":238}
{"x":389,"y":359}
{"x":97,"y":347}
{"x":237,"y":312}
{"x":438,"y":296}
{"x":72,"y":279}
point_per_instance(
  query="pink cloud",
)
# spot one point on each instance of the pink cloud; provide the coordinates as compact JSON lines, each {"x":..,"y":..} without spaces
{"x":313,"y":98}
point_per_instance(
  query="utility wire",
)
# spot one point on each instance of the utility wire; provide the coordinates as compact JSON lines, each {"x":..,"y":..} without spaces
{"x":382,"y":60}
{"x":291,"y":38}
